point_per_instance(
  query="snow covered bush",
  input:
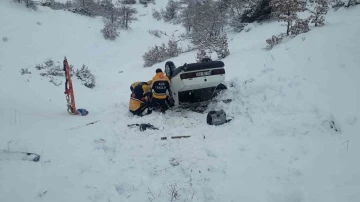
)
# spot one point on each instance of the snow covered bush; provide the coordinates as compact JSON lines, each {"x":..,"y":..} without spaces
{"x":156,"y":33}
{"x":145,"y":2}
{"x":237,"y":25}
{"x":57,"y":5}
{"x":28,"y":3}
{"x":155,"y":55}
{"x":156,"y":15}
{"x":201,"y":54}
{"x":300,"y":26}
{"x":127,"y":1}
{"x":52,"y":71}
{"x":24,"y":71}
{"x":55,"y":81}
{"x":55,"y":71}
{"x":220,"y":46}
{"x":287,"y":11}
{"x":161,"y":53}
{"x":216,"y":43}
{"x":256,"y":10}
{"x":40,"y":66}
{"x":110,"y":31}
{"x":320,"y":10}
{"x":87,"y":78}
{"x":172,"y":50}
{"x":274,"y":40}
{"x":5,"y":39}
{"x":49,"y":62}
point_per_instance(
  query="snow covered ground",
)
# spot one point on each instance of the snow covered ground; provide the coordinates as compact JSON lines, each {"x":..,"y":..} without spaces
{"x":294,"y":137}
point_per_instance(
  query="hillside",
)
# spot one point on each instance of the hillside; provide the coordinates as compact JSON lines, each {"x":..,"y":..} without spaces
{"x":294,"y":137}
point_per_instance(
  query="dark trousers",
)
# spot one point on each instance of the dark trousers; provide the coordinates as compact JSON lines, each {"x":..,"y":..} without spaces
{"x":139,"y":112}
{"x":161,"y":103}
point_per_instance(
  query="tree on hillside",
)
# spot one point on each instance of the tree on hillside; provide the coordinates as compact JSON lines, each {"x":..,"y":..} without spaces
{"x":286,"y":11}
{"x":319,"y":12}
{"x":110,"y":12}
{"x":111,"y":16}
{"x":187,"y":15}
{"x":207,"y":21}
{"x":127,"y":16}
{"x":204,"y":21}
{"x":170,"y":12}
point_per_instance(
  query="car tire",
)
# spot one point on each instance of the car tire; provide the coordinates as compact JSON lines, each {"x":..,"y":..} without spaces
{"x":169,"y":68}
{"x":220,"y":88}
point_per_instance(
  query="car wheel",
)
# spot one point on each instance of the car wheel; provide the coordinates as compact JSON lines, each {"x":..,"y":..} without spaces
{"x":169,"y":68}
{"x":220,"y":88}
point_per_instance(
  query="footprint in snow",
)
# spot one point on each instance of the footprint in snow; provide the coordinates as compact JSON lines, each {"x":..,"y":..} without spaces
{"x":174,"y":162}
{"x":210,"y":153}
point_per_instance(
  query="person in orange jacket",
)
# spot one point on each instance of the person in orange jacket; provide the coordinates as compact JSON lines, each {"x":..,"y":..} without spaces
{"x":140,"y":99}
{"x":160,"y":85}
{"x":133,"y":85}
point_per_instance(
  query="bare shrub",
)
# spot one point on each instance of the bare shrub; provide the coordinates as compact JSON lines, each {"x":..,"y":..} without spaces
{"x":156,"y":15}
{"x":237,"y":25}
{"x":172,"y":49}
{"x":274,"y":40}
{"x":319,"y":12}
{"x":5,"y":39}
{"x":300,"y":26}
{"x":110,"y":31}
{"x":24,"y":71}
{"x":55,"y":82}
{"x":85,"y":75}
{"x":156,"y":33}
{"x":155,"y":55}
{"x":201,"y":54}
{"x":55,"y":71}
{"x":40,"y":66}
{"x":221,"y":46}
{"x":49,"y":62}
{"x":160,"y":53}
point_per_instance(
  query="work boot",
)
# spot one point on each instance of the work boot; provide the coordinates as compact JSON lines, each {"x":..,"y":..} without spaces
{"x":149,"y":111}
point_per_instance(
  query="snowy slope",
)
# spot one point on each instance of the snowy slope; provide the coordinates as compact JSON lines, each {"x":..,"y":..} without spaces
{"x":280,"y":147}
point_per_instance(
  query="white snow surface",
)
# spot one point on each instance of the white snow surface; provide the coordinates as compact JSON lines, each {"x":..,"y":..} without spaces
{"x":280,"y":147}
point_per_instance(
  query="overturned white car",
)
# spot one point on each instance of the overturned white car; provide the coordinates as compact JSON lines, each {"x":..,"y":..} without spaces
{"x":195,"y":84}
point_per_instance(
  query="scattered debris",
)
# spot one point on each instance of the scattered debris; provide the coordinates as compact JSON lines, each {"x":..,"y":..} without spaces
{"x":83,"y":125}
{"x":15,"y":155}
{"x":143,"y":126}
{"x":174,"y":137}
